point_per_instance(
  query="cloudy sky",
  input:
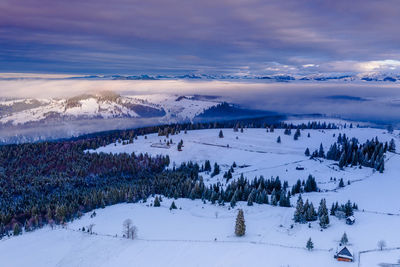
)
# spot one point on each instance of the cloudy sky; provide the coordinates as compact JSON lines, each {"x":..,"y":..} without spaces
{"x":207,"y":36}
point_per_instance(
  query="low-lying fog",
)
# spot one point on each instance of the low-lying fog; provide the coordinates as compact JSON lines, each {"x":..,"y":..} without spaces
{"x":373,"y":101}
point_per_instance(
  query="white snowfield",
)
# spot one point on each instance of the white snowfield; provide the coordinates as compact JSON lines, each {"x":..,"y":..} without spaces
{"x":198,"y":234}
{"x":92,"y":107}
{"x":178,"y":108}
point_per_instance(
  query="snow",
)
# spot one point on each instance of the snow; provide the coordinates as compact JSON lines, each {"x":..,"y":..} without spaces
{"x":183,"y":110}
{"x":198,"y":234}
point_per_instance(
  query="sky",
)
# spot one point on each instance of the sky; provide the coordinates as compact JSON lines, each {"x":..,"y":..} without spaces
{"x":190,"y":36}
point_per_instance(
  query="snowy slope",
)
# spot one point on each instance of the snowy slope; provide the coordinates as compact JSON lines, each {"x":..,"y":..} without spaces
{"x":18,"y":112}
{"x":179,"y":108}
{"x":199,"y":234}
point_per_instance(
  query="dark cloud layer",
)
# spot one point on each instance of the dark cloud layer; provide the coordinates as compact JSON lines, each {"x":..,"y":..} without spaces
{"x":235,"y":36}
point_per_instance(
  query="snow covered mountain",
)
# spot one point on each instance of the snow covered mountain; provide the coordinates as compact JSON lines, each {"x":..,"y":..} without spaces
{"x":104,"y":105}
{"x":278,"y":77}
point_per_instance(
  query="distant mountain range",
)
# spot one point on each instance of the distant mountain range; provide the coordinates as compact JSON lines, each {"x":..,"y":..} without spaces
{"x":284,"y":77}
{"x":363,"y":77}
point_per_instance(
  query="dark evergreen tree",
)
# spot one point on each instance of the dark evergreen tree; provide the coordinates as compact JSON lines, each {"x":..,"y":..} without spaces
{"x":278,"y":140}
{"x":392,"y":146}
{"x":341,"y":183}
{"x":173,"y":206}
{"x":310,"y":244}
{"x":344,"y":240}
{"x":216,"y":170}
{"x":207,"y":166}
{"x":17,"y":229}
{"x":157,"y":202}
{"x":311,"y":184}
{"x":299,"y":212}
{"x":321,"y":152}
{"x":307,"y":152}
{"x":221,"y":134}
{"x":323,"y":214}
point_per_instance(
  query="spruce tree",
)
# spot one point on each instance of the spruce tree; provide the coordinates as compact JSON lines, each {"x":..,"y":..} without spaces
{"x":221,"y":134}
{"x":17,"y":229}
{"x":392,"y":146}
{"x":307,"y":152}
{"x":344,"y":240}
{"x":299,"y":212}
{"x":173,"y":206}
{"x":157,"y":202}
{"x":341,"y":183}
{"x":310,"y":244}
{"x":216,"y":170}
{"x":250,"y":199}
{"x":278,"y":140}
{"x":321,"y":152}
{"x":207,"y":166}
{"x":240,"y":227}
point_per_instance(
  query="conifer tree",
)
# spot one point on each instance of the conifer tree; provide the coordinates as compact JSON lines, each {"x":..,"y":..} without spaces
{"x":157,"y":202}
{"x":173,"y":206}
{"x":221,"y":134}
{"x":348,"y":209}
{"x":271,"y":129}
{"x":240,"y":227}
{"x":278,"y":140}
{"x":216,"y":170}
{"x":299,"y":212}
{"x":250,"y":199}
{"x":207,"y":166}
{"x":321,"y":152}
{"x":392,"y":146}
{"x":323,"y":214}
{"x":310,"y":244}
{"x":296,"y":134}
{"x":17,"y":229}
{"x":341,"y":183}
{"x":307,"y":152}
{"x":344,"y":240}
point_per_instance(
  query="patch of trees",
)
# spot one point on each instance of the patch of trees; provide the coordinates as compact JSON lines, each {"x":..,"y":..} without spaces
{"x":343,"y":210}
{"x":310,"y":185}
{"x":51,"y":183}
{"x":305,"y":212}
{"x":55,"y":182}
{"x":349,"y":152}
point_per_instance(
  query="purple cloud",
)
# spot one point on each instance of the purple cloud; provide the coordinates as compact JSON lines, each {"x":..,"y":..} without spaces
{"x":210,"y":36}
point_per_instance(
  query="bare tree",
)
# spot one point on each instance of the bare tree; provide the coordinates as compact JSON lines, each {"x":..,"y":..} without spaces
{"x":129,"y":230}
{"x":381,"y":244}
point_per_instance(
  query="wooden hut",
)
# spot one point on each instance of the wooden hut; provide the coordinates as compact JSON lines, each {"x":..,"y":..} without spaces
{"x":344,"y":254}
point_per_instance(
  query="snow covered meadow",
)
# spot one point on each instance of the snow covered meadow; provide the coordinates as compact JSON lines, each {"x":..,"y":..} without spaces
{"x":202,"y":234}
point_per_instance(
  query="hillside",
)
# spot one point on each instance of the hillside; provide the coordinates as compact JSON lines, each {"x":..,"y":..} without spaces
{"x":200,"y":228}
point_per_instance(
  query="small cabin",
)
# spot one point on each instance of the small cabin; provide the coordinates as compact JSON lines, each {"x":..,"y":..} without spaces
{"x":344,"y":254}
{"x":350,"y":220}
{"x":299,"y":168}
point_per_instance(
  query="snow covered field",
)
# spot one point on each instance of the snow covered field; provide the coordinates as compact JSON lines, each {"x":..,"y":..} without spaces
{"x":198,"y":234}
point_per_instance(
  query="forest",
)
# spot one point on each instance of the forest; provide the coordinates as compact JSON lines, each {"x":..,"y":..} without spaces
{"x":55,"y":182}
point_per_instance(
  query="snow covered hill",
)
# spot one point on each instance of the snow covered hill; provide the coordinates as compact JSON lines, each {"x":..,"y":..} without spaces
{"x":171,"y":108}
{"x":202,"y":234}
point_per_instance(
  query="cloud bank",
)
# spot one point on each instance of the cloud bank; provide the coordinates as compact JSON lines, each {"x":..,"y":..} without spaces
{"x":229,"y":36}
